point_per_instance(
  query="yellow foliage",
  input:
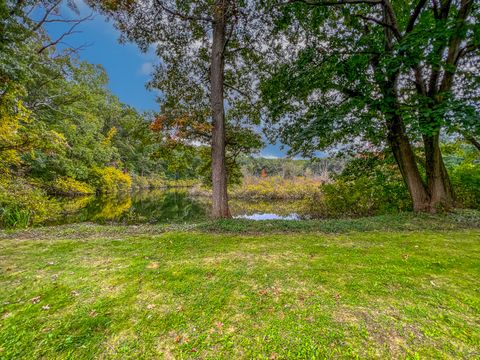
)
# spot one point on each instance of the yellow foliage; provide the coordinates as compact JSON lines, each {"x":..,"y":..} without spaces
{"x":11,"y":126}
{"x":113,"y":207}
{"x":111,"y":180}
{"x":68,"y":186}
{"x":108,"y":138}
{"x":277,"y":188}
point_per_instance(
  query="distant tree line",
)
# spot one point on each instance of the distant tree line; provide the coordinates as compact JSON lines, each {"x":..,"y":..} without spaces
{"x":324,"y":168}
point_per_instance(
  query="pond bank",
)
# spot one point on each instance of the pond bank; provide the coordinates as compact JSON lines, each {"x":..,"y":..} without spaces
{"x":405,"y":222}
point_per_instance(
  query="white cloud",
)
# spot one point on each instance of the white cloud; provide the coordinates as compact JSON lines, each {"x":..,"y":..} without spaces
{"x":267,"y":156}
{"x":146,"y":68}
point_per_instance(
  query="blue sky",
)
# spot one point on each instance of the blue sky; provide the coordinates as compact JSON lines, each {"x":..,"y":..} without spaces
{"x":127,"y":67}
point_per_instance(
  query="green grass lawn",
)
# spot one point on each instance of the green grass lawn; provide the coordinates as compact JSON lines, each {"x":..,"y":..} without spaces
{"x":114,"y":292}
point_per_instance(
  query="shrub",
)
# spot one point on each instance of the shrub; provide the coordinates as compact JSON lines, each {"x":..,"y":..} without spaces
{"x":361,"y":197}
{"x":466,"y":182}
{"x":110,"y":180}
{"x":68,"y":186}
{"x":14,"y":217}
{"x":368,"y":185}
{"x":277,"y":188}
{"x":22,"y":205}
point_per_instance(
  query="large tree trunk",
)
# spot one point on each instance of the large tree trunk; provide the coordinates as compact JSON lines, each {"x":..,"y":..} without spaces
{"x":405,"y":158}
{"x":439,"y":186}
{"x":219,"y":170}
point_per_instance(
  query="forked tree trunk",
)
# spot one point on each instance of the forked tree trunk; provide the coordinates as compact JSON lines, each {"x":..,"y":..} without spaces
{"x":405,"y":158}
{"x":439,"y":186}
{"x":219,"y":171}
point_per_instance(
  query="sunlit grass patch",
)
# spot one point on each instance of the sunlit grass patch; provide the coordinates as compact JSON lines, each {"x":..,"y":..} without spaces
{"x":281,"y":296}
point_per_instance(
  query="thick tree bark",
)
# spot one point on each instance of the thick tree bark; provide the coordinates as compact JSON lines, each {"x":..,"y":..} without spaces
{"x":219,"y":170}
{"x":441,"y":192}
{"x":405,"y":158}
{"x":396,"y":131}
{"x":439,"y":186}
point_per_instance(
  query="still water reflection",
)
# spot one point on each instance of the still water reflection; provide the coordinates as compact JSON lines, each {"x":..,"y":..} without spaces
{"x":167,"y":206}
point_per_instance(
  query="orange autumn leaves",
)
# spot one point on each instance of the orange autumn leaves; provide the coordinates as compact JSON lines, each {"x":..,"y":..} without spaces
{"x":183,"y":126}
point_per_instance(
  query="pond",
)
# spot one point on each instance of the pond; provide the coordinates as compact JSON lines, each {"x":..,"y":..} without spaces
{"x":168,"y":206}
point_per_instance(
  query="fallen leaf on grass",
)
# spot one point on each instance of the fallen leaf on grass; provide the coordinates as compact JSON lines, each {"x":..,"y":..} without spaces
{"x":6,"y":315}
{"x":219,"y":325}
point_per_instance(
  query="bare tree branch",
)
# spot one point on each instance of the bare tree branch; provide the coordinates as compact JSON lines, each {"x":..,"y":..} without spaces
{"x":65,"y":34}
{"x":45,"y":16}
{"x":181,"y":16}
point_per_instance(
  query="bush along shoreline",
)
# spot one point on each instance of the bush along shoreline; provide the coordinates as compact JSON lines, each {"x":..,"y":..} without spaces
{"x":29,"y":202}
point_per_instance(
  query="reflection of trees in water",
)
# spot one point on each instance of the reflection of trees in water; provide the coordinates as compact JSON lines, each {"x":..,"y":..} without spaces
{"x":111,"y":207}
{"x":71,"y":205}
{"x":139,"y":207}
{"x":162,"y":206}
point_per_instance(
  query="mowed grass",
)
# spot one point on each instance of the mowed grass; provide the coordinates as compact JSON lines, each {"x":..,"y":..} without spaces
{"x":194,"y":295}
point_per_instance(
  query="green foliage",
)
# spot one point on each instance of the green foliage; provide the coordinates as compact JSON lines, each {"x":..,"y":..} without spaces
{"x":463,"y":163}
{"x":374,"y":74}
{"x":466,"y":179}
{"x":22,"y":204}
{"x":234,"y":174}
{"x":110,"y":180}
{"x":361,"y":197}
{"x":61,"y":129}
{"x":368,"y":185}
{"x":13,"y":217}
